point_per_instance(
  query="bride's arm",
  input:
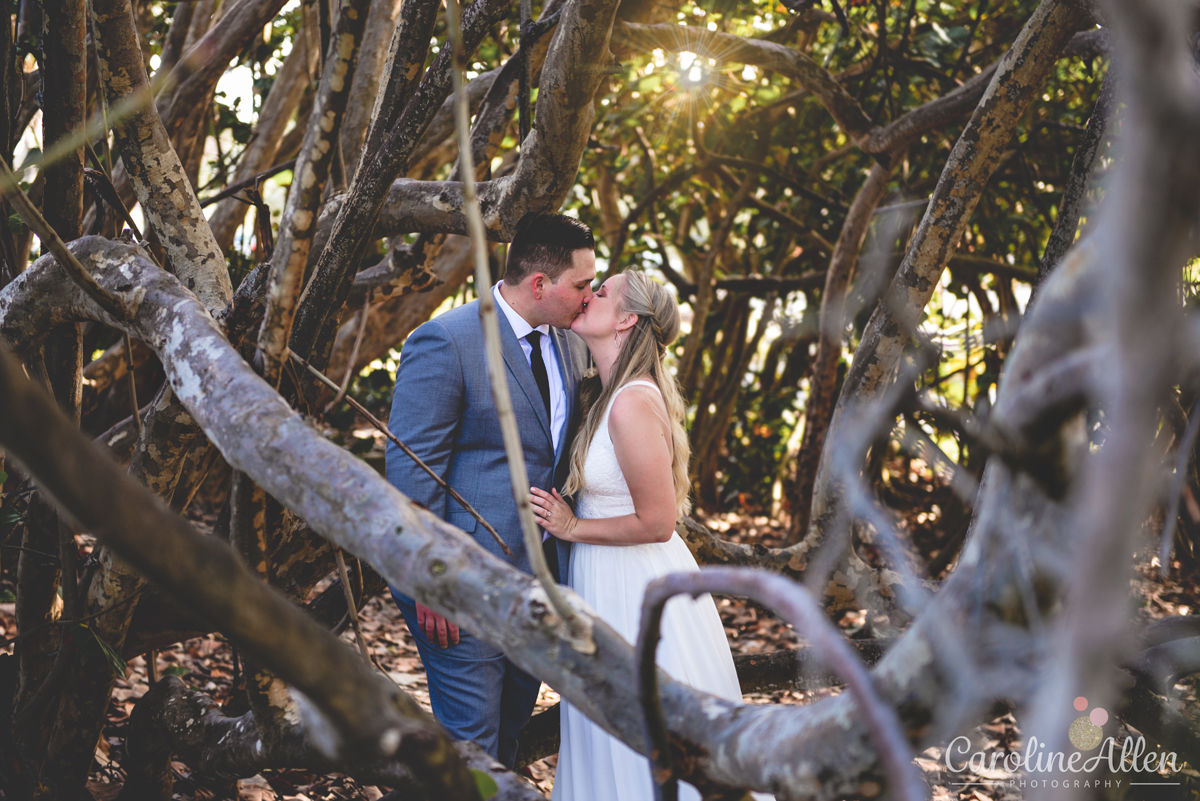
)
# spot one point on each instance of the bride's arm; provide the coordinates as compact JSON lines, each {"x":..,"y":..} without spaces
{"x":641,"y":437}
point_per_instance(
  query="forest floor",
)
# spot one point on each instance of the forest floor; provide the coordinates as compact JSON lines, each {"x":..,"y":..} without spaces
{"x":207,"y":664}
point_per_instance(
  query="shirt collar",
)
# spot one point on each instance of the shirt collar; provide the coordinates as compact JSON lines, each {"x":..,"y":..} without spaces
{"x":519,"y":324}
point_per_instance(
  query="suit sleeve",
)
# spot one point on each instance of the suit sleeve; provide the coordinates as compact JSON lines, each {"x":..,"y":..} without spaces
{"x":427,"y":408}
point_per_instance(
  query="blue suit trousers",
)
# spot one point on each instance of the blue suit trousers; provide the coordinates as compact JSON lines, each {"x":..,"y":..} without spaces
{"x":475,"y":691}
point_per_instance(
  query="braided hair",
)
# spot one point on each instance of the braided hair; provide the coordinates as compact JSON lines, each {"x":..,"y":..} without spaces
{"x":642,"y":352}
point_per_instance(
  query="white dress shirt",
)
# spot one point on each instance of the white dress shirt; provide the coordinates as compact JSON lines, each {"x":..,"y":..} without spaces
{"x":520,"y":327}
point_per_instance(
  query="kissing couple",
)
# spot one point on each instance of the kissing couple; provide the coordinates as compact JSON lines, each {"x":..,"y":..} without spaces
{"x":618,"y":447}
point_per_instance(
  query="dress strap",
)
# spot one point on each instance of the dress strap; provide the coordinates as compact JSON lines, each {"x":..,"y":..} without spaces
{"x":626,"y":386}
{"x":641,"y":381}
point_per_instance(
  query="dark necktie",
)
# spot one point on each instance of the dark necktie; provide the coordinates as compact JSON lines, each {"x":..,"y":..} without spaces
{"x":538,"y":364}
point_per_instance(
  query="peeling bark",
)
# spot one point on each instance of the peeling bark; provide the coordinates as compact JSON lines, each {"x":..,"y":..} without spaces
{"x":313,"y":165}
{"x":350,"y":504}
{"x":988,"y":602}
{"x":550,"y":157}
{"x":371,"y":60}
{"x":388,"y":151}
{"x":393,"y":318}
{"x":174,"y":215}
{"x":405,"y":58}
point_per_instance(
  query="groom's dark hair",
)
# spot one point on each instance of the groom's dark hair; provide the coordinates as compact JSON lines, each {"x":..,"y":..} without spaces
{"x":546,"y":242}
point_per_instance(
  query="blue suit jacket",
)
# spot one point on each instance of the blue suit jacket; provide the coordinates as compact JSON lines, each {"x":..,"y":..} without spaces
{"x":442,"y":409}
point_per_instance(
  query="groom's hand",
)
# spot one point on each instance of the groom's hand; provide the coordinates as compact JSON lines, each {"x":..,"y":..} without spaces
{"x":436,"y":628}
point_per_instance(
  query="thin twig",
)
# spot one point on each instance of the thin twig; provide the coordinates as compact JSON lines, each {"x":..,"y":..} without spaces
{"x":105,"y":188}
{"x":1067,"y":224}
{"x":47,"y":556}
{"x":133,"y":400}
{"x":352,"y":605}
{"x":797,"y":606}
{"x":68,"y":621}
{"x":1183,"y":457}
{"x":382,"y":428}
{"x":577,"y":631}
{"x":233,"y":189}
{"x":68,"y":567}
{"x":865,"y":425}
{"x":964,"y":485}
{"x":11,"y":189}
{"x":358,"y":338}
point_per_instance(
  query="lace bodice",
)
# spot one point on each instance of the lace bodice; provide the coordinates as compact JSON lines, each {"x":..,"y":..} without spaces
{"x":605,"y":493}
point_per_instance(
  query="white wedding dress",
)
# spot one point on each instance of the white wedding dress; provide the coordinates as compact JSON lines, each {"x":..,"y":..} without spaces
{"x":593,"y":765}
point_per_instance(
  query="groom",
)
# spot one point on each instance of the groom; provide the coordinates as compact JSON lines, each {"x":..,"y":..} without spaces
{"x":443,"y":410}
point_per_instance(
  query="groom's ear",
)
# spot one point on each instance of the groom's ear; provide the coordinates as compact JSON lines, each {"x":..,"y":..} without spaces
{"x":537,"y":285}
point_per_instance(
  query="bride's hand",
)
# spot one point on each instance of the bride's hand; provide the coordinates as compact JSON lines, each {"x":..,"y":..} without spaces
{"x":552,"y":513}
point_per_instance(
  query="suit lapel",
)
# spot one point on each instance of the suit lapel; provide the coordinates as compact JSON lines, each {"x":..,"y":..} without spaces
{"x":570,"y":381}
{"x":519,"y":369}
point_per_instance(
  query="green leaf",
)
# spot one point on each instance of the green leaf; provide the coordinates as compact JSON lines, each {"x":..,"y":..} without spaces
{"x":3,"y":476}
{"x":14,"y":223}
{"x":176,"y":670}
{"x":7,"y":597}
{"x":87,"y":640}
{"x":485,"y":784}
{"x":10,"y":517}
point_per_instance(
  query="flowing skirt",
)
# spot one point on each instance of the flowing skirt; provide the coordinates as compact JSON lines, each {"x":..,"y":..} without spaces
{"x":593,"y":765}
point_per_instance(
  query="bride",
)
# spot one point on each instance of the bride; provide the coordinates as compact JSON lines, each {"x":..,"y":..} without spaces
{"x":629,"y":468}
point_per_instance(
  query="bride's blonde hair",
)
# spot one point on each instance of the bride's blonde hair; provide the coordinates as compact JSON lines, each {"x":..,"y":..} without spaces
{"x":642,"y":353}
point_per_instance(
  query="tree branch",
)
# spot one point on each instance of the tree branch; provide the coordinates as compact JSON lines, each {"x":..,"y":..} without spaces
{"x":334,"y":269}
{"x":799,"y":608}
{"x":369,"y":718}
{"x":146,"y":151}
{"x":821,"y":396}
{"x":1020,"y":75}
{"x":1067,"y":223}
{"x":313,"y":165}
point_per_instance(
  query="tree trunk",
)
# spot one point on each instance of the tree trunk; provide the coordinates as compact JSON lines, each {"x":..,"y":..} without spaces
{"x":371,"y":60}
{"x":175,"y":217}
{"x":822,"y":384}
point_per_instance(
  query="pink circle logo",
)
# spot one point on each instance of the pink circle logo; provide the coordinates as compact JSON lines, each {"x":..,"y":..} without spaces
{"x":1085,"y":733}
